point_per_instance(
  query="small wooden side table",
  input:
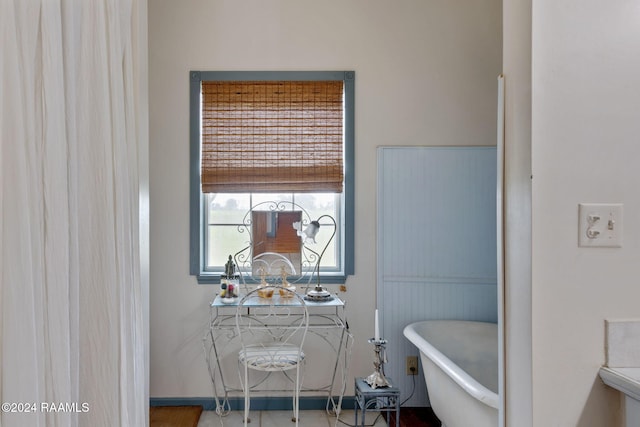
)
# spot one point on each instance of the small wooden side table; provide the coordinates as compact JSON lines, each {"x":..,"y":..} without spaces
{"x":383,"y":399}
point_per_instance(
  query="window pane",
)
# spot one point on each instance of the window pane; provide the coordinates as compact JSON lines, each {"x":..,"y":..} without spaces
{"x":227,"y":208}
{"x":327,"y":228}
{"x":329,"y":258}
{"x":224,"y":240}
{"x":318,"y":204}
{"x":258,"y":198}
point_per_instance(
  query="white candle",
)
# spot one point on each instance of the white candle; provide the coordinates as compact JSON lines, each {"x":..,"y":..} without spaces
{"x":377,"y":328}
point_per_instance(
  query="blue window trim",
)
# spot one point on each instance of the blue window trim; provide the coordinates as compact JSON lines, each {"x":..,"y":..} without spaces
{"x":196,"y":211}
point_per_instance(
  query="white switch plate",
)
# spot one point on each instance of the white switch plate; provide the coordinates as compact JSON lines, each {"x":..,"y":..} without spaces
{"x":600,"y":225}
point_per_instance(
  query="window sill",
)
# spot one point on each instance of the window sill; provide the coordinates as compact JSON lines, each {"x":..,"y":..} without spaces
{"x":325,"y":279}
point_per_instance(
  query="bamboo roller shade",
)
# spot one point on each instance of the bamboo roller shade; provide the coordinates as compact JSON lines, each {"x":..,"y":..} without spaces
{"x":272,"y":136}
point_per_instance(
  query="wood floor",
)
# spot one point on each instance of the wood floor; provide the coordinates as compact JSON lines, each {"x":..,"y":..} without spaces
{"x":415,"y":417}
{"x":174,"y":416}
{"x":177,"y":416}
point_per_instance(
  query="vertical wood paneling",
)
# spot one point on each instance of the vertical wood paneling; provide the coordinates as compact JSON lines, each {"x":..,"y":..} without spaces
{"x":436,"y":245}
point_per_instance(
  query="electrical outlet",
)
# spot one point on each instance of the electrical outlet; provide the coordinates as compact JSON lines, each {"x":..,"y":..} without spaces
{"x":412,"y":365}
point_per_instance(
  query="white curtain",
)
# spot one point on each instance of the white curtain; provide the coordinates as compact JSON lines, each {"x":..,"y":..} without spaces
{"x":72,"y":344}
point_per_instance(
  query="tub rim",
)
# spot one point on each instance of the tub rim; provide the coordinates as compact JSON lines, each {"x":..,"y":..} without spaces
{"x":462,"y":378}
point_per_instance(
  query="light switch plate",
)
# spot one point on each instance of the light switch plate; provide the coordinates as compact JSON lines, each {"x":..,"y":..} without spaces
{"x":600,"y":225}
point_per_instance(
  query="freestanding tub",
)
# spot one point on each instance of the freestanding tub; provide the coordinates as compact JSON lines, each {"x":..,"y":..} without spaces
{"x":460,"y":364}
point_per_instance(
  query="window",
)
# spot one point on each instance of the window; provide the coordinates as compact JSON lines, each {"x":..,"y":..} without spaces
{"x":234,"y":150}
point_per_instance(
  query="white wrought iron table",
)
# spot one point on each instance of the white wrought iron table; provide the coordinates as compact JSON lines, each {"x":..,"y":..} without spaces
{"x":328,"y":335}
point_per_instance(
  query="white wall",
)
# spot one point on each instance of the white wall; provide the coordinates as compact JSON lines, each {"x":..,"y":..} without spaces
{"x":585,"y":148}
{"x":425,"y":75}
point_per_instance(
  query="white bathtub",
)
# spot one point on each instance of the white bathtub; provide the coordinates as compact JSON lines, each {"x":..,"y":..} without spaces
{"x":460,"y":364}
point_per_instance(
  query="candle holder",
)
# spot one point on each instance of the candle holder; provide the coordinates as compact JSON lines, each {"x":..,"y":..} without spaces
{"x":377,"y":379}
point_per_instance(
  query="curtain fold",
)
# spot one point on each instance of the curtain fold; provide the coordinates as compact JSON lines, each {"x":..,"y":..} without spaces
{"x":71,"y":323}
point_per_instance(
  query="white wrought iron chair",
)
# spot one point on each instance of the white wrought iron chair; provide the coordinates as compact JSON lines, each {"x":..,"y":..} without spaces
{"x":272,"y":332}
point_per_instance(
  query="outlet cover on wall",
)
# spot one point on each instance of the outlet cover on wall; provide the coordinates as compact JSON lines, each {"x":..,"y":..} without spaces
{"x":412,"y":365}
